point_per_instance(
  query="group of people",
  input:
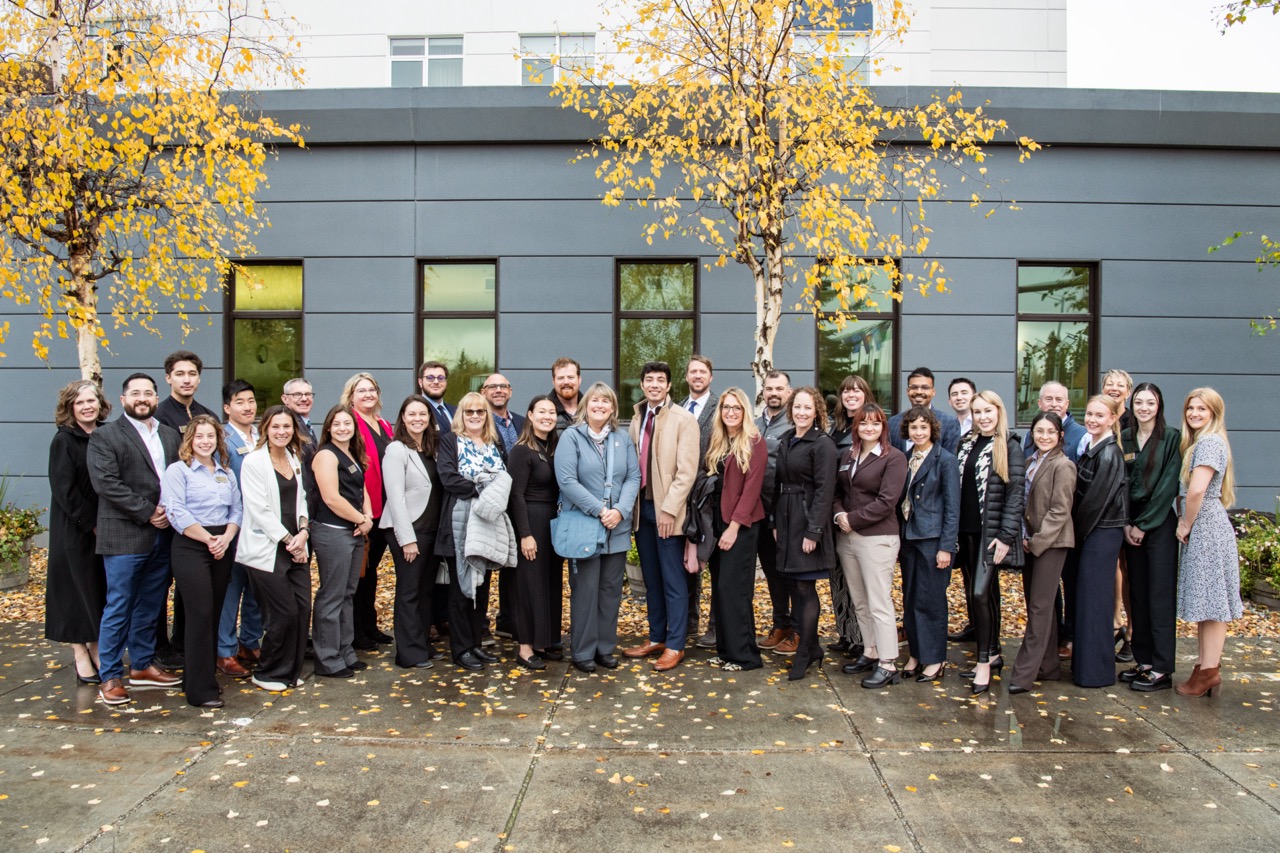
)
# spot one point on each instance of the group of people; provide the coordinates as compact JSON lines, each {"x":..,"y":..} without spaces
{"x":231,"y":511}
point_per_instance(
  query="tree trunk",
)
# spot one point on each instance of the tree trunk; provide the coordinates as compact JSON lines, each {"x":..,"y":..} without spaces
{"x":769,"y":280}
{"x":84,"y":318}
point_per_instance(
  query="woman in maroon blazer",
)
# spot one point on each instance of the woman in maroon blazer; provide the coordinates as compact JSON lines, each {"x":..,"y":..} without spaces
{"x":737,"y":455}
{"x":869,"y":483}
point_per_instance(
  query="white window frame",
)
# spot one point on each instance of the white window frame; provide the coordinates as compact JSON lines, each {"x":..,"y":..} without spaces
{"x":560,"y":56}
{"x":423,"y":57}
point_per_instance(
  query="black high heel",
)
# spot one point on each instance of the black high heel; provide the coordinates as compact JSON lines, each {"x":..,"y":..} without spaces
{"x":936,"y":678}
{"x":800,"y":666}
{"x":91,"y":679}
{"x":912,"y":671}
{"x":977,"y":688}
{"x":996,"y":667}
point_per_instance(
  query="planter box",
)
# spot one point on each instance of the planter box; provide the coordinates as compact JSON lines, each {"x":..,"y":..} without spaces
{"x":635,"y":581}
{"x":16,"y":574}
{"x":1265,"y":594}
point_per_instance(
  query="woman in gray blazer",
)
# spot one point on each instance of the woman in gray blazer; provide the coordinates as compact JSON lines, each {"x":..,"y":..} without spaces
{"x":595,"y":583}
{"x":1048,"y":535}
{"x":412,"y":498}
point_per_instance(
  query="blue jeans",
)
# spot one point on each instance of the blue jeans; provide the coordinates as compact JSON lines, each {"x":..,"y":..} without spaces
{"x":247,"y":608}
{"x":666,"y":589}
{"x":136,"y":585}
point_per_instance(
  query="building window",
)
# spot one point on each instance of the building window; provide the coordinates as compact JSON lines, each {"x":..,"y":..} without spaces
{"x":866,"y":343}
{"x":433,"y":61}
{"x":264,"y":317}
{"x":853,"y":25}
{"x":656,"y":321}
{"x":1057,"y":323}
{"x":458,"y":321}
{"x":543,"y":58}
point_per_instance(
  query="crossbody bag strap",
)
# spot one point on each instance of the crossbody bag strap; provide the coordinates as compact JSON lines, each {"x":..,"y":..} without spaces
{"x":608,"y":472}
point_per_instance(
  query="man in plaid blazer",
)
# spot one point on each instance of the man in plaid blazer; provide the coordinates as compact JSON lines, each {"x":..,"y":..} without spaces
{"x":126,"y":459}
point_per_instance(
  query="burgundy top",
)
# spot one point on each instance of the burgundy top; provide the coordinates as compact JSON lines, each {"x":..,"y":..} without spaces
{"x":871,"y":493}
{"x":740,"y":493}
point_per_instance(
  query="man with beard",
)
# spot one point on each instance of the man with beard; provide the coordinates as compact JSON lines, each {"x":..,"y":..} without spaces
{"x":566,"y":378}
{"x":920,"y":392}
{"x":126,"y":458}
{"x":433,"y":380}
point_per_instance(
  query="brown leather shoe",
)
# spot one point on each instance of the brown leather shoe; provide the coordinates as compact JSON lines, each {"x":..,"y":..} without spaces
{"x":153,"y":676}
{"x":776,"y":636}
{"x":645,"y":650}
{"x":1064,"y":651}
{"x":249,"y":657}
{"x":670,"y":660}
{"x":231,"y":667}
{"x":112,"y":692}
{"x":788,"y":646}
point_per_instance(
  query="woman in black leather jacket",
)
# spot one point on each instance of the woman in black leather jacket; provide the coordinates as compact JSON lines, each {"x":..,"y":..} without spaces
{"x":992,"y":497}
{"x":1099,"y":515}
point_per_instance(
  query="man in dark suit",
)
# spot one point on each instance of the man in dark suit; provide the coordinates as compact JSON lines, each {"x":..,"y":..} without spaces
{"x":299,"y":398}
{"x":920,"y":392}
{"x":433,"y":381}
{"x":497,"y":391}
{"x":126,"y":459}
{"x":698,"y":374}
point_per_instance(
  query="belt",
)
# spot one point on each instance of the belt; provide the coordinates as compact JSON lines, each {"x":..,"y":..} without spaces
{"x":795,"y":489}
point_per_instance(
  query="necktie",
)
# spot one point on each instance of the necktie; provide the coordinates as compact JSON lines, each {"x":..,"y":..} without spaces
{"x":693,"y":407}
{"x":645,"y":439}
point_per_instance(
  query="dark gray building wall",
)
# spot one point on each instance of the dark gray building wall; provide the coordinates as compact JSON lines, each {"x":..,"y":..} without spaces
{"x":1139,"y":183}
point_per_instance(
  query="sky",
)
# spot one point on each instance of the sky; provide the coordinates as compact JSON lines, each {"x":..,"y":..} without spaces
{"x":1169,"y":44}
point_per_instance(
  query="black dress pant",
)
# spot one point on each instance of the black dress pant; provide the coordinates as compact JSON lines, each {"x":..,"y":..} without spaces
{"x":284,"y":595}
{"x":733,"y":581}
{"x":203,"y":581}
{"x":804,"y":599}
{"x":776,"y":581}
{"x":924,"y":600}
{"x":537,"y":583}
{"x":1093,"y":656}
{"x":982,"y":594}
{"x":364,"y":607}
{"x":415,"y":582}
{"x":466,"y":617}
{"x":1153,"y":596}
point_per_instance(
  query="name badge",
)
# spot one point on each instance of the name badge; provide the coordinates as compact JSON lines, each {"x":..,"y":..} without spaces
{"x":242,"y":449}
{"x":353,"y":469}
{"x":183,"y":428}
{"x":220,"y":478}
{"x":845,"y":467}
{"x":1129,"y":457}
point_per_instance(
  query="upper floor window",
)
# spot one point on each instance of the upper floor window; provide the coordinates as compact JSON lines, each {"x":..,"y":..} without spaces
{"x":864,"y":344}
{"x":850,"y":55}
{"x":657,"y":320}
{"x":264,"y":321}
{"x":458,"y":322}
{"x":1057,"y":333}
{"x":544,"y":58}
{"x":435,"y":61}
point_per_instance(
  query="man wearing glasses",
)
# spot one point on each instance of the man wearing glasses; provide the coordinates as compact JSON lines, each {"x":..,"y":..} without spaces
{"x":497,"y":390}
{"x":433,"y":380}
{"x":299,"y":398}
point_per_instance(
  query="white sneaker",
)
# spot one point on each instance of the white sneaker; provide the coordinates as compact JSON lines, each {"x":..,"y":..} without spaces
{"x":272,"y":686}
{"x":300,"y":681}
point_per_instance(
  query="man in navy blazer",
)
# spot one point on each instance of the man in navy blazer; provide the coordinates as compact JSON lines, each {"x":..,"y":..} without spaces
{"x":1054,"y":397}
{"x":433,"y":381}
{"x":920,"y":392}
{"x":126,"y":459}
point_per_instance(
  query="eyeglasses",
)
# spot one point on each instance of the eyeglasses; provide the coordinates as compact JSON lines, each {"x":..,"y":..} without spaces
{"x":301,"y":395}
{"x":474,"y":412}
{"x":731,"y":409}
{"x":432,"y":377}
{"x":497,"y":386}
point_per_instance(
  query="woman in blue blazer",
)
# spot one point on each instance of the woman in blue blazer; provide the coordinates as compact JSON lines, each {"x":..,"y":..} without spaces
{"x":930,"y":518}
{"x":595,"y":584}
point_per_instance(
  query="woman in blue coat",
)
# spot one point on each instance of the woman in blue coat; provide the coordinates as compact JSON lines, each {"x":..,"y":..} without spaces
{"x":582,"y":458}
{"x":930,"y":517}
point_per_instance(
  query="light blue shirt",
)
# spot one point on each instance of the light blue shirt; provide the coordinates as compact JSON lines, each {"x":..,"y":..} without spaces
{"x":192,"y":494}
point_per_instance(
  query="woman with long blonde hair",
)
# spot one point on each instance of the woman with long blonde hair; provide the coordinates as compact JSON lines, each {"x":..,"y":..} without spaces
{"x":1209,"y":572}
{"x":1099,"y":513}
{"x":737,"y":456}
{"x":992,"y":497}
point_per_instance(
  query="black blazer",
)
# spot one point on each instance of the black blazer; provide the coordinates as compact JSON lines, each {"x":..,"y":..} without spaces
{"x":127,"y":484}
{"x":456,"y":487}
{"x":935,"y":500}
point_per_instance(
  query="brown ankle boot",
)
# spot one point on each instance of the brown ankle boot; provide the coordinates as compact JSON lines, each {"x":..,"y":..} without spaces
{"x":1203,"y":681}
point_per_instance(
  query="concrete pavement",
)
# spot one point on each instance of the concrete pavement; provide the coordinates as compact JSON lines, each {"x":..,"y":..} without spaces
{"x":635,"y":760}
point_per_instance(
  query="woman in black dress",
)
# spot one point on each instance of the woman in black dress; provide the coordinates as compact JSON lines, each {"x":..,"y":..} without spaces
{"x":539,"y":583}
{"x":76,"y":586}
{"x":802,"y":497}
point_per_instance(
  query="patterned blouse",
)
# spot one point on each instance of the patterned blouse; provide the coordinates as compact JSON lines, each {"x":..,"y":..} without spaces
{"x":475,"y":458}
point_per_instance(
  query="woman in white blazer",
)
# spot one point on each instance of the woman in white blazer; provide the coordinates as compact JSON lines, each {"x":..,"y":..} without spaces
{"x":411,"y":510}
{"x":273,"y":541}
